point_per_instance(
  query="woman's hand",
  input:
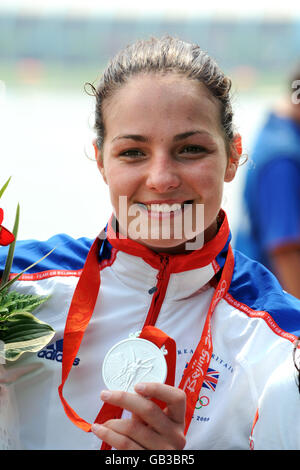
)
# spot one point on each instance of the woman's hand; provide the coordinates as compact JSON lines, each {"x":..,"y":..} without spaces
{"x":150,"y":427}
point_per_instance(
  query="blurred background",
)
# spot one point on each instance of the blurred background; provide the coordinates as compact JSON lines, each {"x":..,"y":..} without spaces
{"x":50,"y":48}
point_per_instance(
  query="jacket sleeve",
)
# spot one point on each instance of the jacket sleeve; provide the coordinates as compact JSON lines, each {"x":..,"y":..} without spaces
{"x":68,"y":254}
{"x":276,"y":425}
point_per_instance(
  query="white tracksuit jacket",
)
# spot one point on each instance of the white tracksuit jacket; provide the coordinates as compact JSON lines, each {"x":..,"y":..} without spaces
{"x":253,"y":329}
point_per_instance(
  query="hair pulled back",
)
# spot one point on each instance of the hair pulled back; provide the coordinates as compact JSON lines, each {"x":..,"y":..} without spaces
{"x":165,"y":55}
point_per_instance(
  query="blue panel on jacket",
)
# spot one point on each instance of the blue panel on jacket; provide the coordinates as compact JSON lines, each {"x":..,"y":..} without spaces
{"x":255,"y":286}
{"x":69,"y":254}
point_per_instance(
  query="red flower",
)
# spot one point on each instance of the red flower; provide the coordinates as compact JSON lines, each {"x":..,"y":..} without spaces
{"x":6,"y":237}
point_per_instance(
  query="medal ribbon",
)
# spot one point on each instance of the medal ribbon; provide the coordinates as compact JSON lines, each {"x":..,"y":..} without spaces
{"x":80,"y":312}
{"x":196,"y":370}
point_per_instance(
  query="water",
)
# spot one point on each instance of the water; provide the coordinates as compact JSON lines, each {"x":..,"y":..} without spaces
{"x":45,"y":137}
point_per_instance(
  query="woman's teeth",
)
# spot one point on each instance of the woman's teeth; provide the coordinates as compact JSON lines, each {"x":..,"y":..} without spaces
{"x":165,"y":208}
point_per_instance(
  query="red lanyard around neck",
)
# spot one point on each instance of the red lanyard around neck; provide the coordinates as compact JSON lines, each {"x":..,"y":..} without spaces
{"x":80,"y":312}
{"x":196,"y":370}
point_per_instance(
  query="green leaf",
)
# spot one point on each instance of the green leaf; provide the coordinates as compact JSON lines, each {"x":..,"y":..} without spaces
{"x":9,"y":283}
{"x":4,"y":187}
{"x":12,"y":302}
{"x":11,"y":250}
{"x":20,"y":330}
{"x":25,"y":333}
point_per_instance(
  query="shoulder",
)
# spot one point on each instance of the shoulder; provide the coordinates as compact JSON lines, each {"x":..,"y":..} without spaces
{"x":258,"y":291}
{"x":68,"y":254}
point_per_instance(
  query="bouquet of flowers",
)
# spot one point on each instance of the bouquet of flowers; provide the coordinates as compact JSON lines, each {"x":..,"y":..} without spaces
{"x":20,"y":330}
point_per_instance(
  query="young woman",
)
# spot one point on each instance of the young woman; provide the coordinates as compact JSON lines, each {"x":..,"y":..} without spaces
{"x":163,"y":270}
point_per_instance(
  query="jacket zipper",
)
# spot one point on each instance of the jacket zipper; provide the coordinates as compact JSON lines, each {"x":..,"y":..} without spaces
{"x":162,"y":277}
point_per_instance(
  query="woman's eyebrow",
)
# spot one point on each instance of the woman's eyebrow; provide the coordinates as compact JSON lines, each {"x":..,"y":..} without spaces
{"x":184,"y":135}
{"x":137,"y":137}
{"x":177,"y":137}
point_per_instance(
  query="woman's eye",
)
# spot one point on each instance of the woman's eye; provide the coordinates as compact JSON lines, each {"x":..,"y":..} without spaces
{"x":133,"y":153}
{"x":192,"y":150}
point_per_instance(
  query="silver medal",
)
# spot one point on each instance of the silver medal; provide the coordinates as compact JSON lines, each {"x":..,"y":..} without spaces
{"x":132,"y":361}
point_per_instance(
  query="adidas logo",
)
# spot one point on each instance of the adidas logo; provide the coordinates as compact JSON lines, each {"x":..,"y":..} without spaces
{"x":54,"y":352}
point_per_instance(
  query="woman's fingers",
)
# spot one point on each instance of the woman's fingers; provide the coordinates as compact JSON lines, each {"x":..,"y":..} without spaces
{"x":111,"y":435}
{"x":139,"y":405}
{"x":174,"y":398}
{"x":146,"y":409}
{"x":135,"y":435}
{"x":150,"y":427}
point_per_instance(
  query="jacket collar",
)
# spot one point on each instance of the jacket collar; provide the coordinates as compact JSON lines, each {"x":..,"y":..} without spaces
{"x":178,"y":262}
{"x":190,"y":273}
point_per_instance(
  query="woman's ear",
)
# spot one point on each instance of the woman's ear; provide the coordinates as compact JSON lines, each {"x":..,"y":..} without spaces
{"x":99,"y":159}
{"x":237,"y":144}
{"x":234,"y":158}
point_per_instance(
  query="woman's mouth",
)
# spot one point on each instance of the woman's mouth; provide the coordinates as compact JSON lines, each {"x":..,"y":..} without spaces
{"x":164,"y":209}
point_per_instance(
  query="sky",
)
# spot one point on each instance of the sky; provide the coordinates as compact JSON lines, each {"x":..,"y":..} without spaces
{"x":188,"y":8}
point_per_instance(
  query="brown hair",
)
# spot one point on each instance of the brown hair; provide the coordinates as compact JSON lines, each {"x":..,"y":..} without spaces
{"x":164,"y":55}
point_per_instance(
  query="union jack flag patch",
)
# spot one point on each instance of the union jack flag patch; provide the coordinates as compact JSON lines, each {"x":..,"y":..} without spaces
{"x":211,"y":379}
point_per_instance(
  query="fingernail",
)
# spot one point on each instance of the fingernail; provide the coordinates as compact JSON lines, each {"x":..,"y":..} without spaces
{"x":105,"y":395}
{"x":140,"y":387}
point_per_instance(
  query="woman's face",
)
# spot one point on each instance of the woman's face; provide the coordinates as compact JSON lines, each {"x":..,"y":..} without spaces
{"x":164,"y":160}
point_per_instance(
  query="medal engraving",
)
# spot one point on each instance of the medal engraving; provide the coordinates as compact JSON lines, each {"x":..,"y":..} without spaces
{"x":132,"y":361}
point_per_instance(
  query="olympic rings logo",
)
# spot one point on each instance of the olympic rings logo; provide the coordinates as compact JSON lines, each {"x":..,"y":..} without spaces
{"x":203,"y":401}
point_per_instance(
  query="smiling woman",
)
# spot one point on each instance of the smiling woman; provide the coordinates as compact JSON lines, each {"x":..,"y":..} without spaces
{"x":175,"y":160}
{"x":165,"y":145}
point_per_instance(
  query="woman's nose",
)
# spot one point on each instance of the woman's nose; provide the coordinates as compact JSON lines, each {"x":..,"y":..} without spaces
{"x":162,"y":175}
